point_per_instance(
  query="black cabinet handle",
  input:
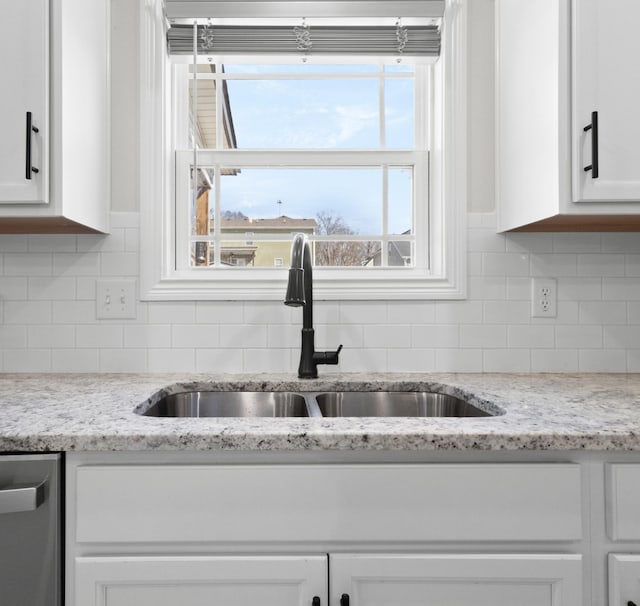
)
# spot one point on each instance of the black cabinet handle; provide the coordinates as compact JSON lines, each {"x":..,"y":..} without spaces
{"x":593,"y":167}
{"x":630,"y":603}
{"x":315,"y":601}
{"x":344,"y":600}
{"x":30,"y":129}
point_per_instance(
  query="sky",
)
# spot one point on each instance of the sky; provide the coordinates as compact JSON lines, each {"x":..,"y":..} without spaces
{"x":320,"y":113}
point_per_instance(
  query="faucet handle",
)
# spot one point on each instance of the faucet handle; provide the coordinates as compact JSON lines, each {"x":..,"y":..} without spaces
{"x":327,"y":357}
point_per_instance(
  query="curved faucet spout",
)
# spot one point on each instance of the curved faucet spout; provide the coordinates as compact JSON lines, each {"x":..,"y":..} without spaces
{"x":300,"y":294}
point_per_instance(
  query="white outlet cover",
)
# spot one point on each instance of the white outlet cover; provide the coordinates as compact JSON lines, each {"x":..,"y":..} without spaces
{"x":544,"y":298}
{"x":115,"y":299}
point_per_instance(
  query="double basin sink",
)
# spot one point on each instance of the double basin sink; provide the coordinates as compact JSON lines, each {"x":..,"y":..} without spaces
{"x":324,"y":404}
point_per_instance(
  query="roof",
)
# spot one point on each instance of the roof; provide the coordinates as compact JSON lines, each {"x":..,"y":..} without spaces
{"x":282,"y":222}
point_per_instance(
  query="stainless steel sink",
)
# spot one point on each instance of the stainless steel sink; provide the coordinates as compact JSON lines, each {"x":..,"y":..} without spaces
{"x":395,"y":404}
{"x":229,"y":404}
{"x":326,"y":404}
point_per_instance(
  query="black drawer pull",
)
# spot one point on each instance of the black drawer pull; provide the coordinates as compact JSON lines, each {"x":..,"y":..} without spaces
{"x":344,"y":600}
{"x":30,"y":129}
{"x":315,"y":601}
{"x":593,"y":167}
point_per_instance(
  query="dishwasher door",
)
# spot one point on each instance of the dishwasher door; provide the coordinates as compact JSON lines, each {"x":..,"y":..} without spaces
{"x":30,"y":555}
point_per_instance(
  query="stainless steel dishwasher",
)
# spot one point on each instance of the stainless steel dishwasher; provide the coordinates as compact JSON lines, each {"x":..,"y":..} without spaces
{"x":30,"y":553}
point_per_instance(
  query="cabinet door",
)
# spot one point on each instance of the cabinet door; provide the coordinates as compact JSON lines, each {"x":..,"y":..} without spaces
{"x":624,"y":579}
{"x":24,"y":70}
{"x":456,"y":580}
{"x":201,"y":581}
{"x":606,"y":80}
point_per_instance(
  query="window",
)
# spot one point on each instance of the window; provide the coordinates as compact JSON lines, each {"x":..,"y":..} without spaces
{"x":357,"y":152}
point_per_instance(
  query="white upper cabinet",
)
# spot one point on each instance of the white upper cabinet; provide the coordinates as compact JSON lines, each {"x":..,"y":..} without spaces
{"x":567,"y":98}
{"x":606,"y":80}
{"x":24,"y":65}
{"x":55,"y":176}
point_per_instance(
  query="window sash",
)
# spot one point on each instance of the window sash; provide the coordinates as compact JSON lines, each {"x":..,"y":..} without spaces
{"x":418,"y":161}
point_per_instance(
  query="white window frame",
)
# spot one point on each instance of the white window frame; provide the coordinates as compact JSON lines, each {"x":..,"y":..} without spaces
{"x":445,"y":277}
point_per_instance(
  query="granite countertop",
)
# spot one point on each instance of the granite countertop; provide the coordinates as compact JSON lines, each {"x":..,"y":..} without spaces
{"x":541,"y":412}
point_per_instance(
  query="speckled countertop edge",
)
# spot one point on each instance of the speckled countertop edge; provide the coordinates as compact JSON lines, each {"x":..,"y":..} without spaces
{"x":95,"y":412}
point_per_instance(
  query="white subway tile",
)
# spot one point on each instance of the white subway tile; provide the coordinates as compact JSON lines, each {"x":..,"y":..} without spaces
{"x":51,"y":243}
{"x":27,"y":360}
{"x":80,"y":264}
{"x":363,"y":360}
{"x":171,"y":360}
{"x":621,"y":337}
{"x":13,"y":243}
{"x":363,"y":312}
{"x":28,"y":264}
{"x":13,"y":337}
{"x":195,"y":335}
{"x":621,"y":242}
{"x":243,"y":335}
{"x":579,"y":289}
{"x":99,"y":335}
{"x":328,"y":337}
{"x":505,"y":264}
{"x":529,"y":242}
{"x":506,"y":360}
{"x":601,"y":265}
{"x":177,"y":312}
{"x":74,"y":312}
{"x":380,"y":336}
{"x":123,"y":360}
{"x":576,"y":242}
{"x":218,"y":312}
{"x":482,"y":336}
{"x":554,"y":265}
{"x":13,"y":288}
{"x":74,"y":360}
{"x":603,"y":312}
{"x":411,"y":312}
{"x":484,"y":240}
{"x":532,"y":337}
{"x":119,"y":264}
{"x":458,"y":312}
{"x":411,"y":360}
{"x":27,"y":312}
{"x":602,"y":360}
{"x":633,"y":360}
{"x":113,"y":242}
{"x":224,"y":360}
{"x":519,"y":289}
{"x":435,"y":336}
{"x":486,"y":288}
{"x":633,"y":313}
{"x":458,"y":360}
{"x":282,"y":335}
{"x":324,"y":312}
{"x":506,"y":312}
{"x":152,"y":336}
{"x":621,"y":289}
{"x":578,"y":337}
{"x":51,"y":288}
{"x":267,"y":360}
{"x":554,"y":360}
{"x":51,"y":336}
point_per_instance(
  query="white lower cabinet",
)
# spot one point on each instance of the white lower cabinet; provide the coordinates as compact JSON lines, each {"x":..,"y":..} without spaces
{"x":624,"y":579}
{"x":354,"y":579}
{"x":188,"y":532}
{"x":201,"y":581}
{"x":455,"y":580}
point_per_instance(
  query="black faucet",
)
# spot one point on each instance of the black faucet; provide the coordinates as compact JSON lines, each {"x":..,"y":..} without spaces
{"x":300,"y":293}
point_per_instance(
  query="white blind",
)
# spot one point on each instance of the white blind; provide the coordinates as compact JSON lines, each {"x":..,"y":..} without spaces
{"x":348,"y":27}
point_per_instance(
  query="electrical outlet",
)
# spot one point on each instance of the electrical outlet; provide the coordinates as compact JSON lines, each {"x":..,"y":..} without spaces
{"x":544,"y":298}
{"x":115,"y":299}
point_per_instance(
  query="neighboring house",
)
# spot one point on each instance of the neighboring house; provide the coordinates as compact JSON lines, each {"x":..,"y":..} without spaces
{"x":244,"y":247}
{"x":399,"y":254}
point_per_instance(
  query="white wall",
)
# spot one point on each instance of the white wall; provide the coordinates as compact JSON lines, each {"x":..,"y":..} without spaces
{"x":47,"y":284}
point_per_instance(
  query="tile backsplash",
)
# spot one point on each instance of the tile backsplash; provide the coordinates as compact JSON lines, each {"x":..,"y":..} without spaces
{"x":48,"y":310}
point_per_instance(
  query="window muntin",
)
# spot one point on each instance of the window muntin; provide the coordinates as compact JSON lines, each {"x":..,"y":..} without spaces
{"x":348,"y":146}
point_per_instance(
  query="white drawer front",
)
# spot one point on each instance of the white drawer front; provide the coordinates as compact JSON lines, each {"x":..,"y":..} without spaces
{"x":306,"y":503}
{"x":623,"y":502}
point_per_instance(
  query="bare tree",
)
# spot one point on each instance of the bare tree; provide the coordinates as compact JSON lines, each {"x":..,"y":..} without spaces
{"x":339,"y":254}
